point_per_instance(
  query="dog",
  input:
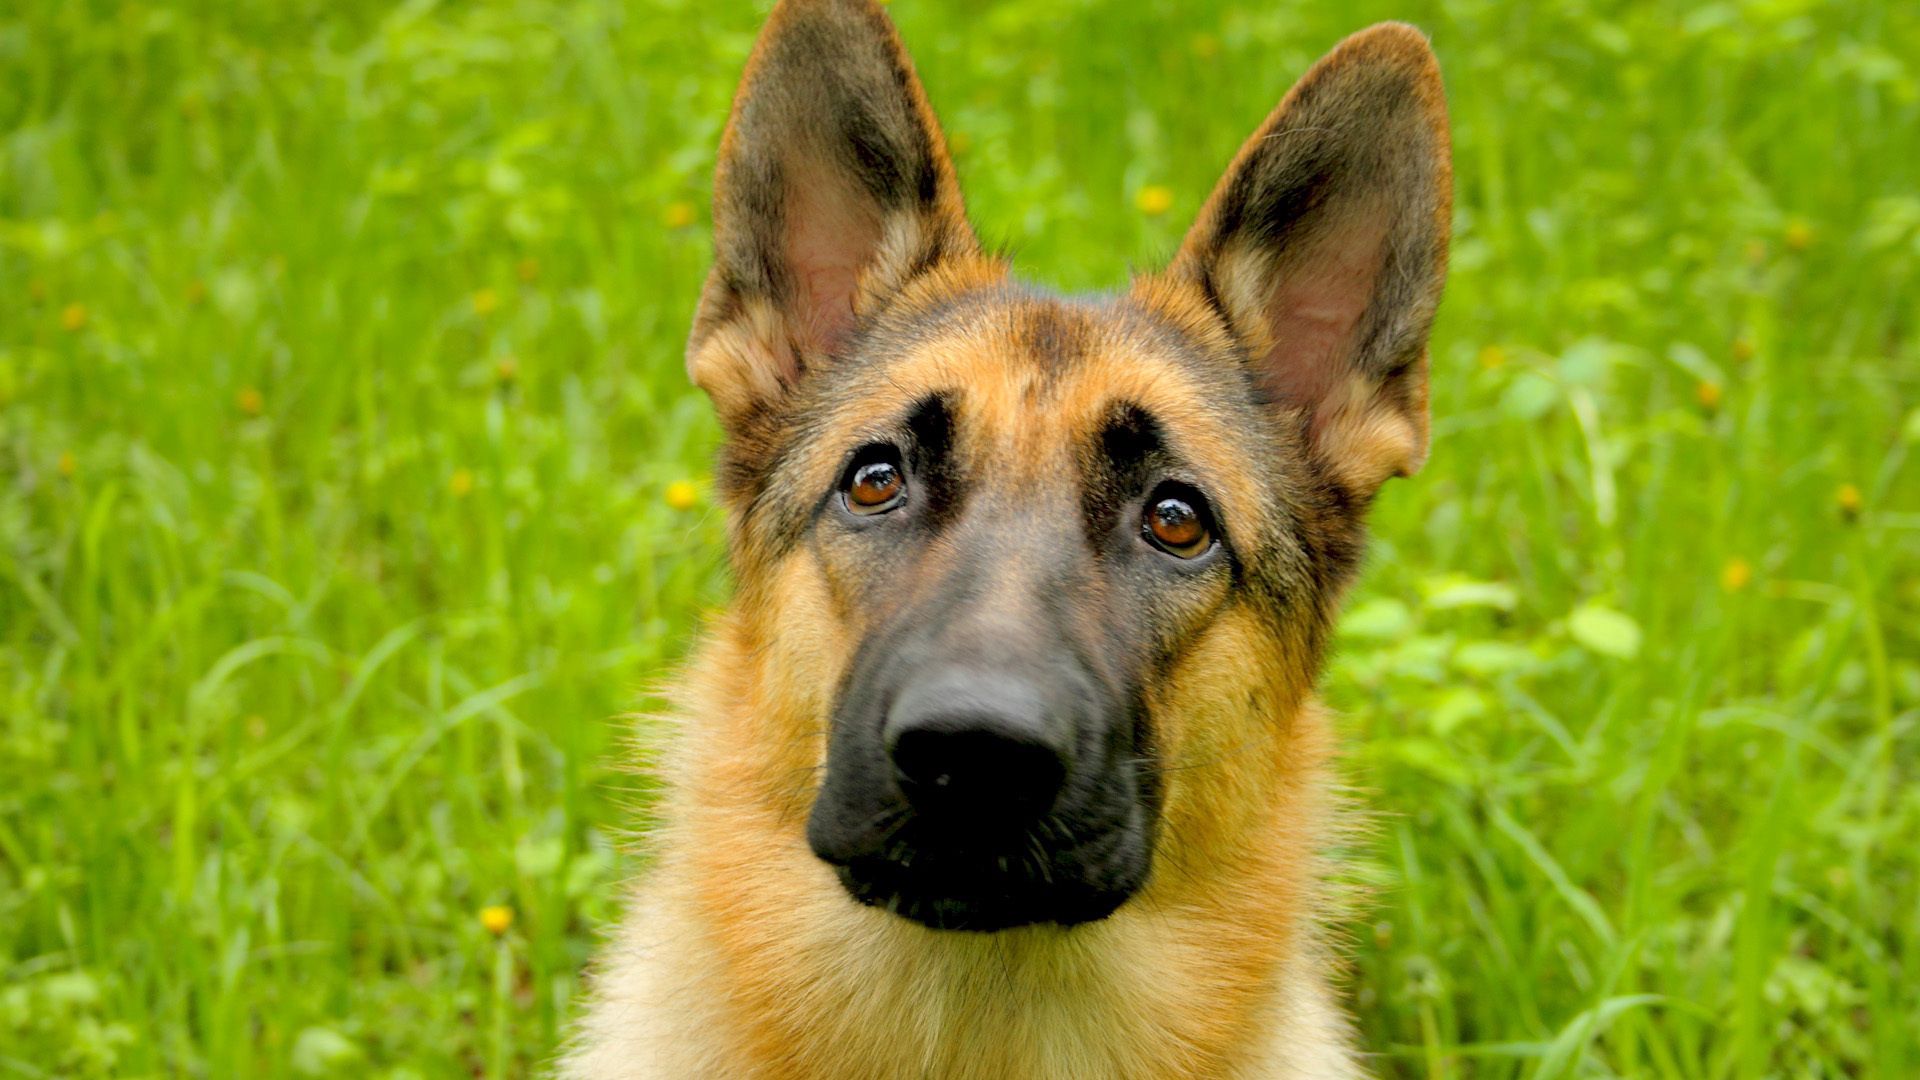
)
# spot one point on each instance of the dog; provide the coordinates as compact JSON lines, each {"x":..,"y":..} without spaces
{"x":1004,"y":760}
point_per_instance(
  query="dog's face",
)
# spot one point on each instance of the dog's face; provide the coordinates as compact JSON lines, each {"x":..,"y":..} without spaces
{"x":1023,"y":513}
{"x":1033,"y":575}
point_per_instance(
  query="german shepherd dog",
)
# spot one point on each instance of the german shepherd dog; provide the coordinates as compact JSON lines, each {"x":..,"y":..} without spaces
{"x":1004,"y":761}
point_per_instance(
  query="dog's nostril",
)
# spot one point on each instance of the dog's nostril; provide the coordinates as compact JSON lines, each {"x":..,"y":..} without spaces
{"x":975,"y":767}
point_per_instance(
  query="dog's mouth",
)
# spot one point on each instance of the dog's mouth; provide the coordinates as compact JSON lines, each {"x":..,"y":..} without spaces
{"x":948,"y":878}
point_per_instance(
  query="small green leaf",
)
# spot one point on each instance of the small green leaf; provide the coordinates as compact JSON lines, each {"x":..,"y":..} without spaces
{"x":1380,"y":619}
{"x":322,"y":1051}
{"x":1529,"y":396}
{"x":1455,"y":707}
{"x":1431,"y":757}
{"x":1585,"y":363}
{"x":70,"y":989}
{"x":1488,"y":658}
{"x":539,"y":858}
{"x":1694,"y":361}
{"x":1453,"y":591}
{"x":1605,"y":631}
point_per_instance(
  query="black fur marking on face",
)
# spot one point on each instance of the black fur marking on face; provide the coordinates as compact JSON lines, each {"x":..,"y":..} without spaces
{"x":941,"y":487}
{"x":1114,"y":472}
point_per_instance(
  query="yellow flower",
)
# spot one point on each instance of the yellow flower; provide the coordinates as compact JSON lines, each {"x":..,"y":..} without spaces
{"x":1848,"y":499}
{"x":66,"y":464}
{"x":249,"y":401}
{"x":682,"y":495}
{"x":1743,"y":348}
{"x":1708,"y":394}
{"x":461,"y":483}
{"x":1492,"y":356}
{"x":1735,"y":575}
{"x":506,"y":369}
{"x":677,"y":215}
{"x":1798,"y":235}
{"x":73,"y":317}
{"x":528,"y":269}
{"x":485,"y":302}
{"x":497,"y":918}
{"x":1153,"y":200}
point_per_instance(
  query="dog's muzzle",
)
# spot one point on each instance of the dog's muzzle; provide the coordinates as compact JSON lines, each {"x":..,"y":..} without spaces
{"x":972,"y":796}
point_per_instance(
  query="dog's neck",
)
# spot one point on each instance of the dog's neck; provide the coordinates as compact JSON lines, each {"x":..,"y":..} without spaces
{"x":807,"y":981}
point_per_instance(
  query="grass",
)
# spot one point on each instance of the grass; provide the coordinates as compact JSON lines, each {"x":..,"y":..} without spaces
{"x":343,"y":440}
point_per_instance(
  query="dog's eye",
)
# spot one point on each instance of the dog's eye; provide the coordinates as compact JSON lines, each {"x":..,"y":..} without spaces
{"x":1175,"y":522}
{"x":875,"y":483}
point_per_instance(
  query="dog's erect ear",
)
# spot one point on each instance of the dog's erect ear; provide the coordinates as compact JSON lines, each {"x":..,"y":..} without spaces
{"x":833,"y":190}
{"x":1325,"y":246}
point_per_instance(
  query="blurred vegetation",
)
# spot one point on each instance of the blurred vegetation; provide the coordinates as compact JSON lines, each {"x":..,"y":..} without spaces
{"x":350,"y":486}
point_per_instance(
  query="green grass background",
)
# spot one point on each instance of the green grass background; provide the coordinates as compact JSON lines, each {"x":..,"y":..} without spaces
{"x":341,"y":390}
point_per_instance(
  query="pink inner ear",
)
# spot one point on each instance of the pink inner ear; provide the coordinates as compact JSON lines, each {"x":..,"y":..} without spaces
{"x":1315,"y":310}
{"x":832,"y":237}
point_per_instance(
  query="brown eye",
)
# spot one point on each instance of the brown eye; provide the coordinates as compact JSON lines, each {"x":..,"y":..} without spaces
{"x":1175,"y":526}
{"x":875,"y":487}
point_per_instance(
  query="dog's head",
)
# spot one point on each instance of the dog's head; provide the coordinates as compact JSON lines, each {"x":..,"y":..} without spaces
{"x":1038,"y":580}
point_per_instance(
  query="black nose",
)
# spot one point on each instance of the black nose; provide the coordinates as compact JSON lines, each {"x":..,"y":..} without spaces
{"x":977,"y":747}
